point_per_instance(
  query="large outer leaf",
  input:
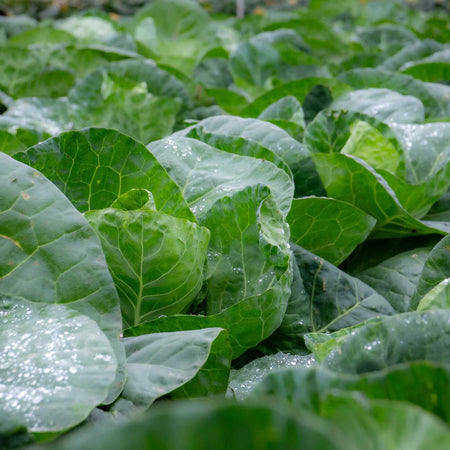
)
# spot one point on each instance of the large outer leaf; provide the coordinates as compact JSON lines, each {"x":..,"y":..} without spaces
{"x":414,"y":336}
{"x":403,"y":84}
{"x":222,"y":132}
{"x":93,"y":167}
{"x":396,"y":278}
{"x":159,"y":363}
{"x":50,"y":254}
{"x":384,"y":424}
{"x":206,"y":174}
{"x":384,"y":104}
{"x":56,"y":365}
{"x":352,"y":180}
{"x":196,"y":425}
{"x":335,"y":300}
{"x":423,"y":384}
{"x":327,"y":227}
{"x":233,"y":143}
{"x":156,"y":260}
{"x":435,"y":270}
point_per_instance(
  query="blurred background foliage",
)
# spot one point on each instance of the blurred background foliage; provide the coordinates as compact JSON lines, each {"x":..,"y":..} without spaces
{"x":42,"y":9}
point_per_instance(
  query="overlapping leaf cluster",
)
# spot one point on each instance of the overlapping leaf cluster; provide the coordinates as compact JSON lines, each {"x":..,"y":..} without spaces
{"x":189,"y":202}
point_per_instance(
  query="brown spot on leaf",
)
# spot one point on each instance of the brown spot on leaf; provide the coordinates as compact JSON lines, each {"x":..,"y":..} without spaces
{"x":25,"y":196}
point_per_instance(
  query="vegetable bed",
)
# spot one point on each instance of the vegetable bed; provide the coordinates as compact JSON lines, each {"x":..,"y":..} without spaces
{"x":226,"y":232}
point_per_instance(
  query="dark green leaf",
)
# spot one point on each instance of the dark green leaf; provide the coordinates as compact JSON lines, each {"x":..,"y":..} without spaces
{"x":396,"y":278}
{"x":94,"y":167}
{"x":327,"y":227}
{"x":51,"y":254}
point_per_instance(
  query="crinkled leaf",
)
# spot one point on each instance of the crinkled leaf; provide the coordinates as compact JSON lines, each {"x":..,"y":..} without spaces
{"x":156,"y":260}
{"x":135,"y":199}
{"x":177,"y":32}
{"x":367,"y":143}
{"x":157,"y":81}
{"x":254,"y":63}
{"x":129,"y":108}
{"x":48,"y":116}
